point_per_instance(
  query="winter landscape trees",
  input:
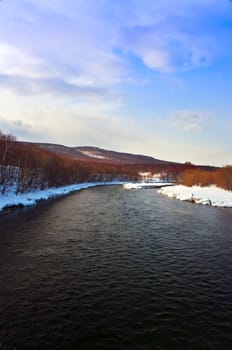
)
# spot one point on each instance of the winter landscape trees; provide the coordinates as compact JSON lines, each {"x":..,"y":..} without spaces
{"x":27,"y":166}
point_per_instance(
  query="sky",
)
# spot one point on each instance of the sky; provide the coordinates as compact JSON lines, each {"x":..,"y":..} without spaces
{"x":141,"y":76}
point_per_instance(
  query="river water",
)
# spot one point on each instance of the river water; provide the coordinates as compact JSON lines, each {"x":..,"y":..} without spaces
{"x":107,"y":268}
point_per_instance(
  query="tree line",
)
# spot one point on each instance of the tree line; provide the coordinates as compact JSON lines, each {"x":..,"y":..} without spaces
{"x":29,"y":167}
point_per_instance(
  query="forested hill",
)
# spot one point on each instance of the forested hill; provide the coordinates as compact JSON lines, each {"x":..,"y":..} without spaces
{"x":126,"y":163}
{"x":130,"y":163}
{"x":97,"y":154}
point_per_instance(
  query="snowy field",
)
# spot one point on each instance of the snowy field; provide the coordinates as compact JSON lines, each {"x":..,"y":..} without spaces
{"x":211,"y":195}
{"x":10,"y":199}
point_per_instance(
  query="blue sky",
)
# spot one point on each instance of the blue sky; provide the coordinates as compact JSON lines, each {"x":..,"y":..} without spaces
{"x":141,"y":76}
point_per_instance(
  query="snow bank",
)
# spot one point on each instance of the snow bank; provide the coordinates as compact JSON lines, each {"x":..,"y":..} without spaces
{"x":10,"y":199}
{"x":211,"y":195}
{"x":139,"y":185}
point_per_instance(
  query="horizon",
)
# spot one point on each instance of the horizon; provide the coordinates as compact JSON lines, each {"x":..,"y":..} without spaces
{"x":135,"y":77}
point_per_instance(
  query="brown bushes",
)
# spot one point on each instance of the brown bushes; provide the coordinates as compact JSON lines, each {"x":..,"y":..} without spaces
{"x":221,"y":177}
{"x":224,"y":177}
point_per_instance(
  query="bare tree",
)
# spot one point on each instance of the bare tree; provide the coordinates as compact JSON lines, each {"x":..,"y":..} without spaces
{"x":6,"y":141}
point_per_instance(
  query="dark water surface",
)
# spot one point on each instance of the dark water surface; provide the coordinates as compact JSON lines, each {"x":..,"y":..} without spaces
{"x":107,"y":268}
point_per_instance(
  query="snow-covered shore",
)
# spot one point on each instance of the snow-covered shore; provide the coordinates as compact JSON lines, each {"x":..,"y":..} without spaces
{"x":139,"y":185}
{"x":10,"y":199}
{"x":212,"y":195}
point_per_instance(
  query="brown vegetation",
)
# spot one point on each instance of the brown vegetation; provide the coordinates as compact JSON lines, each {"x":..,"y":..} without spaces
{"x":221,"y":177}
{"x":30,"y":167}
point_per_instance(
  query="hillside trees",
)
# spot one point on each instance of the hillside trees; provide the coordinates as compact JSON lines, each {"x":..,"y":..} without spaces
{"x":28,"y":167}
{"x":7,"y":173}
{"x":6,"y":144}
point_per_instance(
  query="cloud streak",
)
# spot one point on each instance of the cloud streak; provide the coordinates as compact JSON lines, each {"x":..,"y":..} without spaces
{"x":54,"y":87}
{"x":23,"y":130}
{"x":186,"y":121}
{"x":60,"y":41}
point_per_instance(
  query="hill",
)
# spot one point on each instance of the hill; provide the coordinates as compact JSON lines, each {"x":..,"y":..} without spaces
{"x":100,"y":155}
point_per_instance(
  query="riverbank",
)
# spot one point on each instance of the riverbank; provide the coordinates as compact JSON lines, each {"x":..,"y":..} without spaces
{"x":12,"y":200}
{"x":144,"y":185}
{"x":211,"y":195}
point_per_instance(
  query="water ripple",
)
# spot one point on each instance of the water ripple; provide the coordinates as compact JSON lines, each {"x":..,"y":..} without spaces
{"x":112,"y":269}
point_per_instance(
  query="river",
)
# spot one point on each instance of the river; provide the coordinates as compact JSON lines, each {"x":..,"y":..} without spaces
{"x":107,"y":268}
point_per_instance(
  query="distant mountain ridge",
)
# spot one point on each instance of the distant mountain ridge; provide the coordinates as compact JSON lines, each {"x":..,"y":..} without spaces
{"x":97,"y":154}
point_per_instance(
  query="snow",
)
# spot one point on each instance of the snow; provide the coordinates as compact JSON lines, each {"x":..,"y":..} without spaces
{"x":93,"y":154}
{"x":139,"y":185}
{"x":10,"y":199}
{"x":211,"y":195}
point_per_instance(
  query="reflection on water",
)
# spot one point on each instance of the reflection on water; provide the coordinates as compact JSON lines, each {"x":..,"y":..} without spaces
{"x":107,"y":268}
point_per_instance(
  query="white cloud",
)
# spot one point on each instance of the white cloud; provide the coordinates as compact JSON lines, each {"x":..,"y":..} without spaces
{"x":22,"y":129}
{"x":13,"y":61}
{"x":46,"y":86}
{"x":88,"y":40}
{"x":186,"y":121}
{"x":63,"y":65}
